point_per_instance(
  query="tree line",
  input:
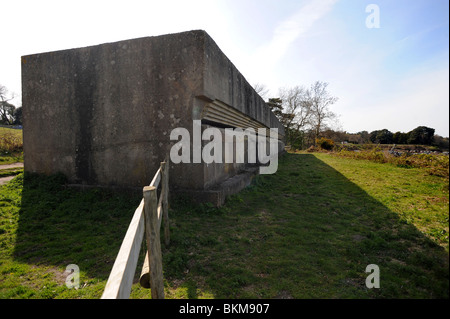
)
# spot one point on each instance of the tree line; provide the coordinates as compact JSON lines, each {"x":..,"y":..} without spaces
{"x":421,"y":135}
{"x":9,"y":113}
{"x":306,"y":116}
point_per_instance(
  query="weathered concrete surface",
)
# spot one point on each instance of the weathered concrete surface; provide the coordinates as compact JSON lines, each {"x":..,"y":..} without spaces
{"x":102,"y":115}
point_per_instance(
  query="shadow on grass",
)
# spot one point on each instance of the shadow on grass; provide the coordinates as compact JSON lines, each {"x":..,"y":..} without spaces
{"x":59,"y":226}
{"x":304,"y":232}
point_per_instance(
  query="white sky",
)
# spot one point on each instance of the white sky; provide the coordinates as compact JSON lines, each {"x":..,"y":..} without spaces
{"x":393,"y":77}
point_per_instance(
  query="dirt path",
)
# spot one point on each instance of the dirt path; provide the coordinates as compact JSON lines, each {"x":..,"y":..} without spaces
{"x":14,"y":165}
{"x":4,"y":180}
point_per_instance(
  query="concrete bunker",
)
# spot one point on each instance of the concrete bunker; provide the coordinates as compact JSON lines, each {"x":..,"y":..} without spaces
{"x":102,"y":115}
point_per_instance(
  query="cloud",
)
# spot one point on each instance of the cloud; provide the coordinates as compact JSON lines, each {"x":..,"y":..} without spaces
{"x":286,"y":33}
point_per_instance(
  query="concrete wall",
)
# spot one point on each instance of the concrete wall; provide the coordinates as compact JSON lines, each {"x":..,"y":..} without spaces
{"x":222,"y":81}
{"x":102,"y":115}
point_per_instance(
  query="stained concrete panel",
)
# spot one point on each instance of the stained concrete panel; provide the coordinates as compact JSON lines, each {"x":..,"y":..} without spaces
{"x":102,"y":115}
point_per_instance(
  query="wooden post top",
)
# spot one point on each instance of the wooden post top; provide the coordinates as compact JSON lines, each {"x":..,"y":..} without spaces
{"x":149,"y":188}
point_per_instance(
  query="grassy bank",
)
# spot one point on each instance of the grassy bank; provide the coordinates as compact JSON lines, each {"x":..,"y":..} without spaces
{"x":308,"y":231}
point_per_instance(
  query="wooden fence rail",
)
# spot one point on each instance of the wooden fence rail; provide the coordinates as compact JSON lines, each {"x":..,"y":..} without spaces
{"x":146,"y":220}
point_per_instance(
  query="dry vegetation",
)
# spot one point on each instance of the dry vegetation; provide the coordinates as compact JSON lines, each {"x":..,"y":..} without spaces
{"x":10,"y":141}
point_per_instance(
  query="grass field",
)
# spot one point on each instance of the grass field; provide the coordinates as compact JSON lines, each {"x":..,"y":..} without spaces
{"x":308,"y":231}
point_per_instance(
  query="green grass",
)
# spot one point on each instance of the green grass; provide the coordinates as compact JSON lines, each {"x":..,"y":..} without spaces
{"x":10,"y":172}
{"x":308,"y":231}
{"x":44,"y":227}
{"x":11,"y":159}
{"x":414,"y":195}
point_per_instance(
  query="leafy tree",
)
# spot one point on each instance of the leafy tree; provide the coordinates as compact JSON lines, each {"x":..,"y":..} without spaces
{"x":17,"y":116}
{"x":373,"y":136}
{"x":297,"y":139}
{"x":421,"y":135}
{"x":382,"y":136}
{"x":441,"y":142}
{"x":400,"y":138}
{"x":276,"y":106}
{"x":365,"y":137}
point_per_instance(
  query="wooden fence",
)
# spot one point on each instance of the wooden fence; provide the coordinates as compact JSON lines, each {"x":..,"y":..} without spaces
{"x":146,"y":220}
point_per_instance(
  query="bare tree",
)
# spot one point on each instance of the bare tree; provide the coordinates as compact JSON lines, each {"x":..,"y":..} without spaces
{"x":297,"y":113}
{"x":304,"y":112}
{"x":320,"y":100}
{"x":262,"y":90}
{"x":6,"y":108}
{"x":295,"y":104}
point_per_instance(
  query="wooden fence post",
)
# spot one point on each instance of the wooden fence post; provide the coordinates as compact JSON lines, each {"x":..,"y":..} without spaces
{"x":165,"y":201}
{"x":153,"y":242}
{"x":144,"y":279}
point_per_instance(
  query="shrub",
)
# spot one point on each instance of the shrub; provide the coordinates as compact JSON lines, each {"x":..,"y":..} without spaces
{"x":325,"y":143}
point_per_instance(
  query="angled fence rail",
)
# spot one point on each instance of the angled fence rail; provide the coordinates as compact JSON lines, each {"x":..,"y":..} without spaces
{"x":146,"y":222}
